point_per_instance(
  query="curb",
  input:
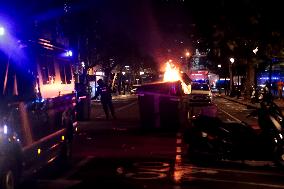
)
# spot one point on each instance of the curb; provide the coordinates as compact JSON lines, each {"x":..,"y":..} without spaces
{"x":250,"y":105}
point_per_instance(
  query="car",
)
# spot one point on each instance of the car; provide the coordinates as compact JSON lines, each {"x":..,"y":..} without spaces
{"x":200,"y":93}
{"x":37,"y":114}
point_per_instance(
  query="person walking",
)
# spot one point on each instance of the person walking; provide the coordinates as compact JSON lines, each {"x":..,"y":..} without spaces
{"x":280,"y":88}
{"x":106,"y":99}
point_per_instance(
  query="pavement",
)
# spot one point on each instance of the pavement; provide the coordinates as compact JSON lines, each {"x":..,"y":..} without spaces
{"x":119,"y":97}
{"x":246,"y":102}
{"x":126,"y":110}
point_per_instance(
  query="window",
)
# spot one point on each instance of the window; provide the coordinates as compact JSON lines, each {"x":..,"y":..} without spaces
{"x":46,"y":64}
{"x":199,"y":86}
{"x":65,"y":72}
{"x":17,"y":81}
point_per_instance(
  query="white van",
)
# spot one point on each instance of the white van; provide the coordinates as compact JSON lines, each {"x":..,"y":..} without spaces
{"x":200,"y":93}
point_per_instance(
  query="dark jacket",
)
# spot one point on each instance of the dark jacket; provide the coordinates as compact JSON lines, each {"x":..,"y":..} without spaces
{"x":105,"y":92}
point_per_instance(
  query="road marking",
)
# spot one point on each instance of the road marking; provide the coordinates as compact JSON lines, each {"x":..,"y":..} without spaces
{"x":152,"y":166}
{"x":230,"y":115}
{"x":76,"y":167}
{"x":263,"y":173}
{"x":178,"y":149}
{"x":235,"y":182}
{"x":146,"y":175}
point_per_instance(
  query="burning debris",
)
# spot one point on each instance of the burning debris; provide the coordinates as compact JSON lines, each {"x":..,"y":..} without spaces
{"x":172,"y":73}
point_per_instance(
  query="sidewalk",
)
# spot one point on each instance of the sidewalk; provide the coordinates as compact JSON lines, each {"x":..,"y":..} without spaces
{"x":241,"y":100}
{"x":123,"y":97}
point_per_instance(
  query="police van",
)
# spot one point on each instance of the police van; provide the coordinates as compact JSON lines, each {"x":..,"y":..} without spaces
{"x":37,"y":108}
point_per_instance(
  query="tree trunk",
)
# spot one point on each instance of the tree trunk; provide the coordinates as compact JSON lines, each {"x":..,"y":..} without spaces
{"x":250,"y":78}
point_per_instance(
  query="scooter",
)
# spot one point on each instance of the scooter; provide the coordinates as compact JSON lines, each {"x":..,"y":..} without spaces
{"x":214,"y":139}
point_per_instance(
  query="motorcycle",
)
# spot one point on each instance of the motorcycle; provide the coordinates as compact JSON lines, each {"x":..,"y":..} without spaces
{"x":214,"y":139}
{"x":255,"y":97}
{"x":259,"y":95}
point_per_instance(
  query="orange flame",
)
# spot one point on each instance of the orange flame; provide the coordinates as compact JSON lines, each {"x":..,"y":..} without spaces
{"x":172,"y":73}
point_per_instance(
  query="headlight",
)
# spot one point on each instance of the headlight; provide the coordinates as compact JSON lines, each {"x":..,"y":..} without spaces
{"x":209,"y":95}
{"x":7,"y":133}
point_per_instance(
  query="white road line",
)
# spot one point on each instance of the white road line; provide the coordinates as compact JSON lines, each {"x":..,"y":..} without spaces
{"x":236,"y":182}
{"x":75,"y":168}
{"x":230,"y":115}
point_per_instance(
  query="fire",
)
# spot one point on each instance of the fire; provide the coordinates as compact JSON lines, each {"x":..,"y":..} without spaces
{"x":186,"y":88}
{"x":172,"y":73}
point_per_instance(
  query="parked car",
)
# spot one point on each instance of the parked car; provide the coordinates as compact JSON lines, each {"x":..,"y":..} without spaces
{"x":200,"y":93}
{"x":37,"y":112}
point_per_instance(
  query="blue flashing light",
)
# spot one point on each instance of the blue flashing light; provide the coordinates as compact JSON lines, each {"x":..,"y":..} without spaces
{"x":266,"y":78}
{"x":69,"y":53}
{"x":2,"y":31}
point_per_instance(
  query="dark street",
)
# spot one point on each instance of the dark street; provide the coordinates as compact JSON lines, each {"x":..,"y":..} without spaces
{"x":116,"y":153}
{"x":148,"y":94}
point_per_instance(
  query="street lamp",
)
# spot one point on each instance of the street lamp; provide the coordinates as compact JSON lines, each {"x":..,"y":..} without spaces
{"x":232,"y":60}
{"x":256,"y":68}
{"x":255,"y":50}
{"x":187,"y":55}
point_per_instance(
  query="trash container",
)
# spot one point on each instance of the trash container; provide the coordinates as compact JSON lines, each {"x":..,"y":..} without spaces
{"x":83,"y":108}
{"x":161,"y":105}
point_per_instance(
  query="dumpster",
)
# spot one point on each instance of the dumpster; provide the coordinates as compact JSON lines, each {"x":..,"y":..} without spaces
{"x":162,"y":105}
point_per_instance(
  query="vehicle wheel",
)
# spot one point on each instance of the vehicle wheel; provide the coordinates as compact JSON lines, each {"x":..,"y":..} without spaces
{"x":67,"y":150}
{"x":65,"y":154}
{"x":279,"y":157}
{"x":9,"y":178}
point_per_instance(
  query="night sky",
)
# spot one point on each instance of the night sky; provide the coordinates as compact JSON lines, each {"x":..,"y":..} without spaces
{"x":157,"y":27}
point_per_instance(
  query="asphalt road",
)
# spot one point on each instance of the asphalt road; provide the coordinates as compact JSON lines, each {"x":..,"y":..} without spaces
{"x":232,"y":111}
{"x":116,"y":154}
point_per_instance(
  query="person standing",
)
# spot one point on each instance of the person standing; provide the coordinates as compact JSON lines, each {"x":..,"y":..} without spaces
{"x":106,"y":99}
{"x":226,"y":86}
{"x":280,"y":88}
